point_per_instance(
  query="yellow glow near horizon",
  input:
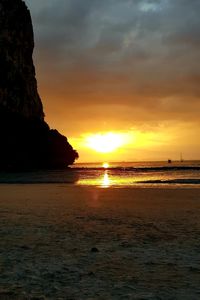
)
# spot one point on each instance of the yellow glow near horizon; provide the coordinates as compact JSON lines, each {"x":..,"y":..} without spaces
{"x":129,"y":145}
{"x":105,"y":142}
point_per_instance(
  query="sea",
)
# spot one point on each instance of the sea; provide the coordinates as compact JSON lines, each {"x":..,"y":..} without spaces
{"x":115,"y":174}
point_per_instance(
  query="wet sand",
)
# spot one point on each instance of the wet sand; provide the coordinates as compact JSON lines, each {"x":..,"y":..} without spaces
{"x":70,"y":242}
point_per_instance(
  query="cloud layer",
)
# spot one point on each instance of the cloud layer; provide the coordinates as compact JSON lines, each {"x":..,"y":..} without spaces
{"x":113,"y":64}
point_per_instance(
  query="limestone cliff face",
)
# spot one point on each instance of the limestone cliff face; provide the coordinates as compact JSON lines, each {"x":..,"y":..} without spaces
{"x":26,"y":141}
{"x":18,"y":87}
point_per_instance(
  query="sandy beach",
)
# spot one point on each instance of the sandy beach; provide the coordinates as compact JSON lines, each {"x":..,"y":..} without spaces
{"x":72,"y":242}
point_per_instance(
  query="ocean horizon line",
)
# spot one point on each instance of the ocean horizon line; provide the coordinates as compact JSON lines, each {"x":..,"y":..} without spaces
{"x":135,"y":161}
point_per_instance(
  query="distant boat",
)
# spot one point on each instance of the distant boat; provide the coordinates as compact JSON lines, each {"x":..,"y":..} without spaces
{"x":181,"y":157}
{"x":169,"y":161}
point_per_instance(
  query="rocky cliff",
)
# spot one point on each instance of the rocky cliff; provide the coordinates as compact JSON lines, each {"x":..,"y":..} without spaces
{"x":26,"y":141}
{"x":18,"y":87}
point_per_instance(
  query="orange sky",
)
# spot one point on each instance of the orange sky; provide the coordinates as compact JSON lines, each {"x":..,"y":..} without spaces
{"x":126,"y":67}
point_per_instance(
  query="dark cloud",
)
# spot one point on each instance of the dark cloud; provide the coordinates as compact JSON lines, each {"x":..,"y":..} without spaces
{"x":140,"y":54}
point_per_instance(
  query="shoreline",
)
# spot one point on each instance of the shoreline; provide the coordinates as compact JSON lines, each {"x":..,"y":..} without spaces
{"x":145,"y":186}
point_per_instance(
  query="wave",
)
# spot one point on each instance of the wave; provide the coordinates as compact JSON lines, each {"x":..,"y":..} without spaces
{"x":172,"y":181}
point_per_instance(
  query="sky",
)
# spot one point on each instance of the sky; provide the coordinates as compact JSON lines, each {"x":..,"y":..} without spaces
{"x":126,"y":67}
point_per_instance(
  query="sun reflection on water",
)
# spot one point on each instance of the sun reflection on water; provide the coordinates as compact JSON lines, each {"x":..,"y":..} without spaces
{"x":103,"y":181}
{"x":106,"y":181}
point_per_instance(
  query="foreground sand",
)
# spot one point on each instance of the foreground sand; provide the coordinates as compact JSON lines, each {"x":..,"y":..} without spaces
{"x":147,"y":240}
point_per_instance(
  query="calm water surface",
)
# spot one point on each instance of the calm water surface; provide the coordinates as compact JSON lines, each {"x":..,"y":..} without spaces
{"x":141,"y":174}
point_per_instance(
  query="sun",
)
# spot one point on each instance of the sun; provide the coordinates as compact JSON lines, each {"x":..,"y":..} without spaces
{"x":105,"y":142}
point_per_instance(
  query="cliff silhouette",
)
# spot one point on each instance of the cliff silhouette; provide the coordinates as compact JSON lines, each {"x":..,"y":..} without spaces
{"x":26,"y":141}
